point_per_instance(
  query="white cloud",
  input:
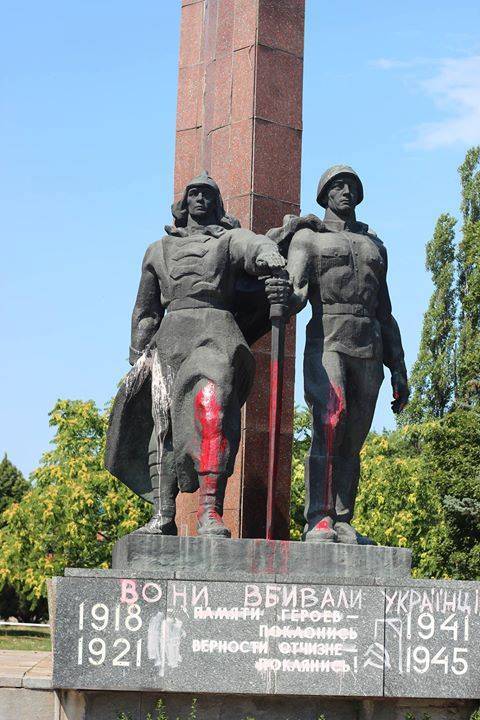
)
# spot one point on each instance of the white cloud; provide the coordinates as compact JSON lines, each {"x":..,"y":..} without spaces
{"x":454,"y":87}
{"x":391,"y":64}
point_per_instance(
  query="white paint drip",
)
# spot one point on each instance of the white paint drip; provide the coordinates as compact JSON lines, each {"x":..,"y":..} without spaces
{"x":161,"y":396}
{"x":161,"y":401}
{"x":138,"y":374}
{"x":163,"y":642}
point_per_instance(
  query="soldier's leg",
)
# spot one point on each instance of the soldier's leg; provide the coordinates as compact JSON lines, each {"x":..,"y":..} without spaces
{"x":164,"y":485}
{"x":324,"y":376}
{"x":211,"y":462}
{"x":207,"y":413}
{"x":160,"y":452}
{"x":364,"y":378}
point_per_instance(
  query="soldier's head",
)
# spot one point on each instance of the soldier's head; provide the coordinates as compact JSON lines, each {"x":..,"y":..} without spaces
{"x":201,"y":201}
{"x":341,"y":190}
{"x":201,"y":204}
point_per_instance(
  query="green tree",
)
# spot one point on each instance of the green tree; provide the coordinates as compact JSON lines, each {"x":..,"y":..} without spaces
{"x":397,"y":503}
{"x":433,"y":376}
{"x":301,"y":443}
{"x":13,"y":485}
{"x":420,"y":488}
{"x":74,"y":511}
{"x":468,"y":363}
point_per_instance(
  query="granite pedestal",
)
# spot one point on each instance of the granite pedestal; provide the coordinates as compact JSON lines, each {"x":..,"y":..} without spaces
{"x":264,"y":620}
{"x":310,"y":561}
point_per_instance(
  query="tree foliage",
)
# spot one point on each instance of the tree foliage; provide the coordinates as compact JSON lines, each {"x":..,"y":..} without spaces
{"x":447,"y":369}
{"x":420,"y":488}
{"x":468,"y":363}
{"x":433,"y":375}
{"x":301,"y":442}
{"x":13,"y":485}
{"x":72,"y":505}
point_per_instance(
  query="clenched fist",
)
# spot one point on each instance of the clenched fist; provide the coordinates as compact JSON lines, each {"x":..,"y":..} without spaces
{"x":278,"y":290}
{"x":401,"y":392}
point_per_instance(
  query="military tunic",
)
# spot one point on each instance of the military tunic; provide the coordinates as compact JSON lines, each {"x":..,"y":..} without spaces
{"x":351,"y":335}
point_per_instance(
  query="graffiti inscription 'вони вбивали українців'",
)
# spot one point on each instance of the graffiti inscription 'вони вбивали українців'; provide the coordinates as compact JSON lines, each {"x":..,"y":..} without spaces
{"x":286,"y":638}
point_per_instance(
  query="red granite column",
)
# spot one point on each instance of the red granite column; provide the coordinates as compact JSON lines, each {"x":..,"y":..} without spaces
{"x":239,"y":116}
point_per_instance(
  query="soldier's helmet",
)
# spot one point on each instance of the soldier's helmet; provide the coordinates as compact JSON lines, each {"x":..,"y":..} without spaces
{"x":179,"y":209}
{"x":330,"y":175}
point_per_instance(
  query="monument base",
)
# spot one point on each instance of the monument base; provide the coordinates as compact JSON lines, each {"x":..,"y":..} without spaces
{"x":298,"y":561}
{"x":262,"y":621}
{"x":90,"y":705}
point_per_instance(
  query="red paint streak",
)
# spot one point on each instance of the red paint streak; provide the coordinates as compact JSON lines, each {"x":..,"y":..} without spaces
{"x":213,"y":445}
{"x":209,"y":414}
{"x":270,"y":558}
{"x":323,"y":524}
{"x":335,"y":408}
{"x":274,"y":421}
{"x":285,"y":552}
{"x":209,"y":489}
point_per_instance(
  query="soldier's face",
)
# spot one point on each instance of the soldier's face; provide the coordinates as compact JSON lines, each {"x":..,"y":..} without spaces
{"x":343,"y":195}
{"x":200,"y":202}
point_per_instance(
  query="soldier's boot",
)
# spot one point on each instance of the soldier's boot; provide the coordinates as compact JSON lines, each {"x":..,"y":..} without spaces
{"x":164,"y":491}
{"x":347,"y":474}
{"x":210,"y":509}
{"x":320,"y":531}
{"x":162,"y":521}
{"x":348,"y":535}
{"x":319,"y":504}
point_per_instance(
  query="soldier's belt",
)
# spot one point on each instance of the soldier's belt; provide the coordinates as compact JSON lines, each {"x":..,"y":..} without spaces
{"x":345,"y":309}
{"x":194,"y":303}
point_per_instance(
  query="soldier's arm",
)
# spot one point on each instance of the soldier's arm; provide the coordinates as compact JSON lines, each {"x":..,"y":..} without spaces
{"x":147,"y":312}
{"x":393,"y":355}
{"x":298,"y":266}
{"x":256,"y":254}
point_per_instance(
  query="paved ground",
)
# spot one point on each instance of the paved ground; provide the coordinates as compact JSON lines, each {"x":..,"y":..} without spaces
{"x":28,"y":669}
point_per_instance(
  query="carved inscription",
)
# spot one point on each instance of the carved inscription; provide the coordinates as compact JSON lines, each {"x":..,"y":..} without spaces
{"x":265,"y":637}
{"x":430,"y":641}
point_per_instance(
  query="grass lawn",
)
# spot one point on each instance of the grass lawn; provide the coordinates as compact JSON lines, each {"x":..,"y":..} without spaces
{"x":12,"y":638}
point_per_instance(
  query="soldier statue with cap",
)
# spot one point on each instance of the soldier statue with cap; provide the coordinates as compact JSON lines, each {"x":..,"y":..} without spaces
{"x":175,"y":423}
{"x":340,"y":266}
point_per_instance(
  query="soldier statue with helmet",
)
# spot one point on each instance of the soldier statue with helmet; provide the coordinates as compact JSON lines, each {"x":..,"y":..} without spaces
{"x":340,"y":266}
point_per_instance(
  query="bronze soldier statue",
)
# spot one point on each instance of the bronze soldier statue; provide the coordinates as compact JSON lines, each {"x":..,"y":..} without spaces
{"x":340,"y":266}
{"x":175,"y":423}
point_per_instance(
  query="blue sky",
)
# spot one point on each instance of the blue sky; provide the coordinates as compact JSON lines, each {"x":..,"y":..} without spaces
{"x":87,"y":137}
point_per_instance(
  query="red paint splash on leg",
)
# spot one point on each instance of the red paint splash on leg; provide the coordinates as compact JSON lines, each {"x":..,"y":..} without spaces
{"x":209,"y":414}
{"x":213,"y":445}
{"x":334,"y":410}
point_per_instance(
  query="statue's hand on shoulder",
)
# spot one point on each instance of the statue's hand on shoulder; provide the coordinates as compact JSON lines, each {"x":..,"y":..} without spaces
{"x":270,"y":262}
{"x":309,"y":222}
{"x":401,"y":392}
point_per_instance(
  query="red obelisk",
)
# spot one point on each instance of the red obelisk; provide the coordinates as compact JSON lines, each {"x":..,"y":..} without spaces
{"x":239,"y":116}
